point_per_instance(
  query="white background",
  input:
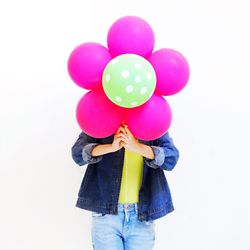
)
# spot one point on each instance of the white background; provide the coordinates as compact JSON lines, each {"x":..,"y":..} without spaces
{"x":40,"y":181}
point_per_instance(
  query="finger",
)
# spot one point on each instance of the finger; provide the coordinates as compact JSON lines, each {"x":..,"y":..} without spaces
{"x":117,"y":138}
{"x":124,"y":125}
{"x":124,"y":140}
{"x":123,"y":130}
{"x":125,"y":133}
{"x":128,"y":131}
{"x":118,"y":130}
{"x":123,"y":136}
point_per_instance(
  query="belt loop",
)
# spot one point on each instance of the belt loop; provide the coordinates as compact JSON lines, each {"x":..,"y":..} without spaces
{"x":126,"y":211}
{"x":136,"y":207}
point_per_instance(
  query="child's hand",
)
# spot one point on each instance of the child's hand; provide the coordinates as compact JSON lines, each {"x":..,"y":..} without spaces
{"x":124,"y":138}
{"x":129,"y":142}
{"x":117,"y":142}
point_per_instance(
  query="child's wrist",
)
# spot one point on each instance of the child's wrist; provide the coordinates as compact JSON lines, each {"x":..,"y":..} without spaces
{"x":112,"y":149}
{"x":138,"y":147}
{"x":102,"y":149}
{"x":144,"y":150}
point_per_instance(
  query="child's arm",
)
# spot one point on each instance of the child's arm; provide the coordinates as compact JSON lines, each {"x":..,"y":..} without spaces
{"x":109,"y":148}
{"x":102,"y":149}
{"x":82,"y":148}
{"x":166,"y":154}
{"x":162,"y":154}
{"x":87,"y":149}
{"x":144,"y":150}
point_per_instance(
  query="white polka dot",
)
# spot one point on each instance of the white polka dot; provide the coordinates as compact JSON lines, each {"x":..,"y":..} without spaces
{"x":107,"y":77}
{"x":125,"y":73}
{"x":137,"y":79}
{"x":129,"y":88}
{"x":149,"y":76}
{"x":114,"y":61}
{"x":133,"y":103}
{"x":138,"y":66}
{"x":143,"y":90}
{"x":118,"y":98}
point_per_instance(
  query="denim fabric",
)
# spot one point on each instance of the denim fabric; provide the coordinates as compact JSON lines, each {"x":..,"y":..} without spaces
{"x":99,"y":190}
{"x":122,"y":231}
{"x":86,"y":154}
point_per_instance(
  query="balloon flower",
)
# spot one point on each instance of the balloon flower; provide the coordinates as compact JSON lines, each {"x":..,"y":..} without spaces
{"x":127,"y":81}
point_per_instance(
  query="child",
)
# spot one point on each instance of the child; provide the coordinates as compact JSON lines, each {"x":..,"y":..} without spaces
{"x":125,"y":187}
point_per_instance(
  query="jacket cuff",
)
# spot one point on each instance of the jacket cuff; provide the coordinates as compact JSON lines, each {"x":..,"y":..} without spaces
{"x":159,"y":157}
{"x":86,"y":154}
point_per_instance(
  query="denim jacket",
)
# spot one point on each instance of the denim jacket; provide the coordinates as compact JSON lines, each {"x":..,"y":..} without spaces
{"x":100,"y":187}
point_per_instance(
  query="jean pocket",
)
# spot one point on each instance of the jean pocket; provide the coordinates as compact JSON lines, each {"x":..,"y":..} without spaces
{"x":149,"y":222}
{"x":95,"y":214}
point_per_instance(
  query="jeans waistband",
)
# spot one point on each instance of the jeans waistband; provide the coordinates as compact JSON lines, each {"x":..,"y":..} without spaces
{"x":127,"y":206}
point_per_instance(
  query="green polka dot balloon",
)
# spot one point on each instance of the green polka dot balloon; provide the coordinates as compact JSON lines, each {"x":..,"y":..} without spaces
{"x":129,"y":80}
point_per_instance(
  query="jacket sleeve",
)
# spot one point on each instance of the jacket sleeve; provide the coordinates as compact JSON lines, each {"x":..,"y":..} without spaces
{"x":82,"y":148}
{"x":166,"y":154}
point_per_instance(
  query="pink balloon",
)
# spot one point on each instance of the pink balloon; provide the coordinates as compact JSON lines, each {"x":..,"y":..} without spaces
{"x":97,"y":115}
{"x":150,"y":120}
{"x":86,"y":64}
{"x":130,"y":34}
{"x":172,"y":71}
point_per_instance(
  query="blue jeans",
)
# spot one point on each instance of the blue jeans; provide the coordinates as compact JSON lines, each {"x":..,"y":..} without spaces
{"x":122,"y":231}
